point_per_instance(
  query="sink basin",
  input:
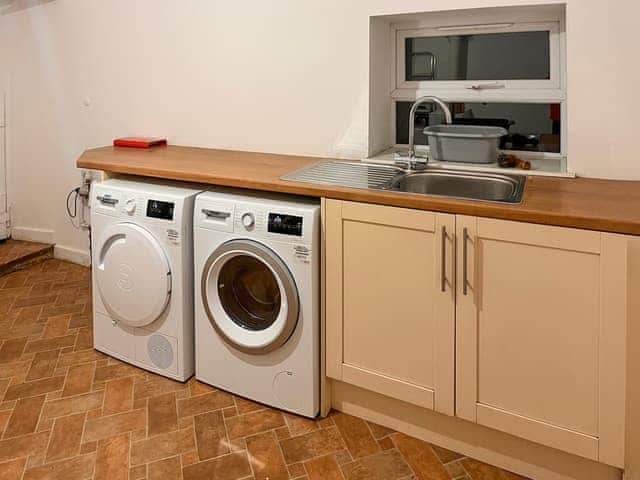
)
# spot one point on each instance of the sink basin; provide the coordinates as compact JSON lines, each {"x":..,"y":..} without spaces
{"x":471,"y":185}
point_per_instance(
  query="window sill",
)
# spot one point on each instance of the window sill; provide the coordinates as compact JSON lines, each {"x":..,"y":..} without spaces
{"x":549,"y":167}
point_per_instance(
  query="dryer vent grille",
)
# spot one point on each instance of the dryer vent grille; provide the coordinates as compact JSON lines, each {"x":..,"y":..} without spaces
{"x":160,"y":351}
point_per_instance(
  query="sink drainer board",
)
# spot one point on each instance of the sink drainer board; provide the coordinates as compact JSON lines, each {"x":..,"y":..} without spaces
{"x":346,"y":174}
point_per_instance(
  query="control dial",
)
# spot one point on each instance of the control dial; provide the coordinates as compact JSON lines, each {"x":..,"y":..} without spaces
{"x":130,"y":206}
{"x":248,"y":220}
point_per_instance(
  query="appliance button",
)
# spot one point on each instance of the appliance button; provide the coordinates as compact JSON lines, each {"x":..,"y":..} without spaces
{"x":248,"y":220}
{"x":130,"y":206}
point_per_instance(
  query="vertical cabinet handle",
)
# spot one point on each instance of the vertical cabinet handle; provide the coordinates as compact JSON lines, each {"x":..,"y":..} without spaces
{"x":443,"y":271}
{"x":465,"y":237}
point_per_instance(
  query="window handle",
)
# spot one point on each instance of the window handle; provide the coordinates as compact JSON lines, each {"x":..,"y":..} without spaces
{"x":486,"y":86}
{"x":453,"y":28}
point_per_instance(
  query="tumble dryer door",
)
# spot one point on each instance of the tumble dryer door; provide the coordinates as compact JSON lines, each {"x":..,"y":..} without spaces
{"x":250,"y":296}
{"x":133,"y":274}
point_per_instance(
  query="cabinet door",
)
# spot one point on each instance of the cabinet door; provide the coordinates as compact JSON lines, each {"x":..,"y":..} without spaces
{"x":390,"y":301}
{"x":541,"y":331}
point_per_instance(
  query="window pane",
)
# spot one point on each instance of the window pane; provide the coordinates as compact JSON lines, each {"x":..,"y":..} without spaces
{"x":488,"y":56}
{"x":533,"y":127}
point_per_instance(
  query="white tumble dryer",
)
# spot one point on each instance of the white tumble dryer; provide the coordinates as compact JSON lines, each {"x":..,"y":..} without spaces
{"x":257,"y":295}
{"x":143,"y":274}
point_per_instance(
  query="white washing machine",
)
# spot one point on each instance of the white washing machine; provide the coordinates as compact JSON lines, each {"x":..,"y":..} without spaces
{"x":142,"y":235}
{"x":257,"y":283}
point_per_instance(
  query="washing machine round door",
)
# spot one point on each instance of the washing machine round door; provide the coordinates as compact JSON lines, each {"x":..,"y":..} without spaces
{"x":250,"y":296}
{"x":132,"y":274}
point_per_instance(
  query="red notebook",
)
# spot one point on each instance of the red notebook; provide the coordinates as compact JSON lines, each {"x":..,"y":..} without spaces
{"x":139,"y":142}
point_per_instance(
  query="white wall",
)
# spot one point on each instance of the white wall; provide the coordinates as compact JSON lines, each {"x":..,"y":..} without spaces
{"x":285,"y":76}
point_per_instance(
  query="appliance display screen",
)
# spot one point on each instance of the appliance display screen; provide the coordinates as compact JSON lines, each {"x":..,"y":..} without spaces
{"x":158,"y":209}
{"x":285,"y":224}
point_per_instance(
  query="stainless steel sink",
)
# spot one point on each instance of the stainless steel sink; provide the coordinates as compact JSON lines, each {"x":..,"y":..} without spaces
{"x":493,"y":187}
{"x":451,"y":183}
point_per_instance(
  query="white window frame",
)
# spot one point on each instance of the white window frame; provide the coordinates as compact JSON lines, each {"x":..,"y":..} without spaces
{"x":552,"y":90}
{"x":505,"y":86}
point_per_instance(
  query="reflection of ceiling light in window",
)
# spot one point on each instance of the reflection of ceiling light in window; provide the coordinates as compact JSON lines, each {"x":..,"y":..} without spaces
{"x":452,"y":28}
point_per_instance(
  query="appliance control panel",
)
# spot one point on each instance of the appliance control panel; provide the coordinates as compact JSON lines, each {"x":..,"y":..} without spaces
{"x":279,"y":220}
{"x":284,"y":224}
{"x":160,"y":209}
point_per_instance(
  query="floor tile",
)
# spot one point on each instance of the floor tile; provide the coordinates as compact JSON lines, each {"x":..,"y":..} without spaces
{"x":118,"y":396}
{"x":65,"y":437}
{"x":204,"y":403}
{"x":482,"y":471}
{"x":112,"y":458}
{"x":162,"y":446}
{"x":105,"y":427}
{"x":79,"y":380}
{"x":387,"y":465}
{"x":43,"y":365}
{"x":445,"y":455}
{"x":162,"y":414}
{"x":310,"y":445}
{"x":266,"y":457}
{"x":420,"y":457}
{"x":56,"y":326}
{"x":357,"y":435}
{"x":150,"y":385}
{"x":12,"y":470}
{"x":74,"y":468}
{"x":12,"y":349}
{"x":67,"y":406}
{"x":246,"y":406}
{"x":23,"y":446}
{"x":254,"y":422}
{"x":37,"y":387}
{"x":112,"y":372}
{"x":211,"y":435}
{"x":379,"y":431}
{"x":299,"y":425}
{"x":76,"y":358}
{"x":166,"y":469}
{"x":323,"y":468}
{"x":228,"y":467}
{"x":25,"y":416}
{"x":50,"y":344}
{"x":9,"y":370}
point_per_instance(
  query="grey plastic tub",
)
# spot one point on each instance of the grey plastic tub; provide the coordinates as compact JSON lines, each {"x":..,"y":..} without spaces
{"x":464,"y":143}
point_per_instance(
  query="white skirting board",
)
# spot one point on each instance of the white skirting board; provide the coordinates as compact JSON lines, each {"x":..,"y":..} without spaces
{"x":74,"y":255}
{"x":81,"y":257}
{"x":29,"y":234}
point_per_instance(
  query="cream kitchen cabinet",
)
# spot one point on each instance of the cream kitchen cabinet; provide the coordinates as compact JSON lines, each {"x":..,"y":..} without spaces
{"x":527,"y":336}
{"x":541,"y":332}
{"x":390,"y":301}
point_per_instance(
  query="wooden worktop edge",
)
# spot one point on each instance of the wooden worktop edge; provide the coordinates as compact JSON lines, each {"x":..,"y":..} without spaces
{"x":579,"y":203}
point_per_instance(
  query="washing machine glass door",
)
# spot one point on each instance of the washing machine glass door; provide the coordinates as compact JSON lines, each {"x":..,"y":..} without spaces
{"x":132,"y":274}
{"x":250,"y":296}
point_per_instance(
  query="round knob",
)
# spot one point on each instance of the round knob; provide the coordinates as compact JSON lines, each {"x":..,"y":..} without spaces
{"x":130,"y":206}
{"x":248,"y":220}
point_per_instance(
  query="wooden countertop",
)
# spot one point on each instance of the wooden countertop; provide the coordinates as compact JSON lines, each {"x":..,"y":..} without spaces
{"x":605,"y":205}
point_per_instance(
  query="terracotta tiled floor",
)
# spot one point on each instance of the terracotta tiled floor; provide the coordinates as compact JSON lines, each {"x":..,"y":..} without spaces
{"x":69,"y":412}
{"x":15,"y":253}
